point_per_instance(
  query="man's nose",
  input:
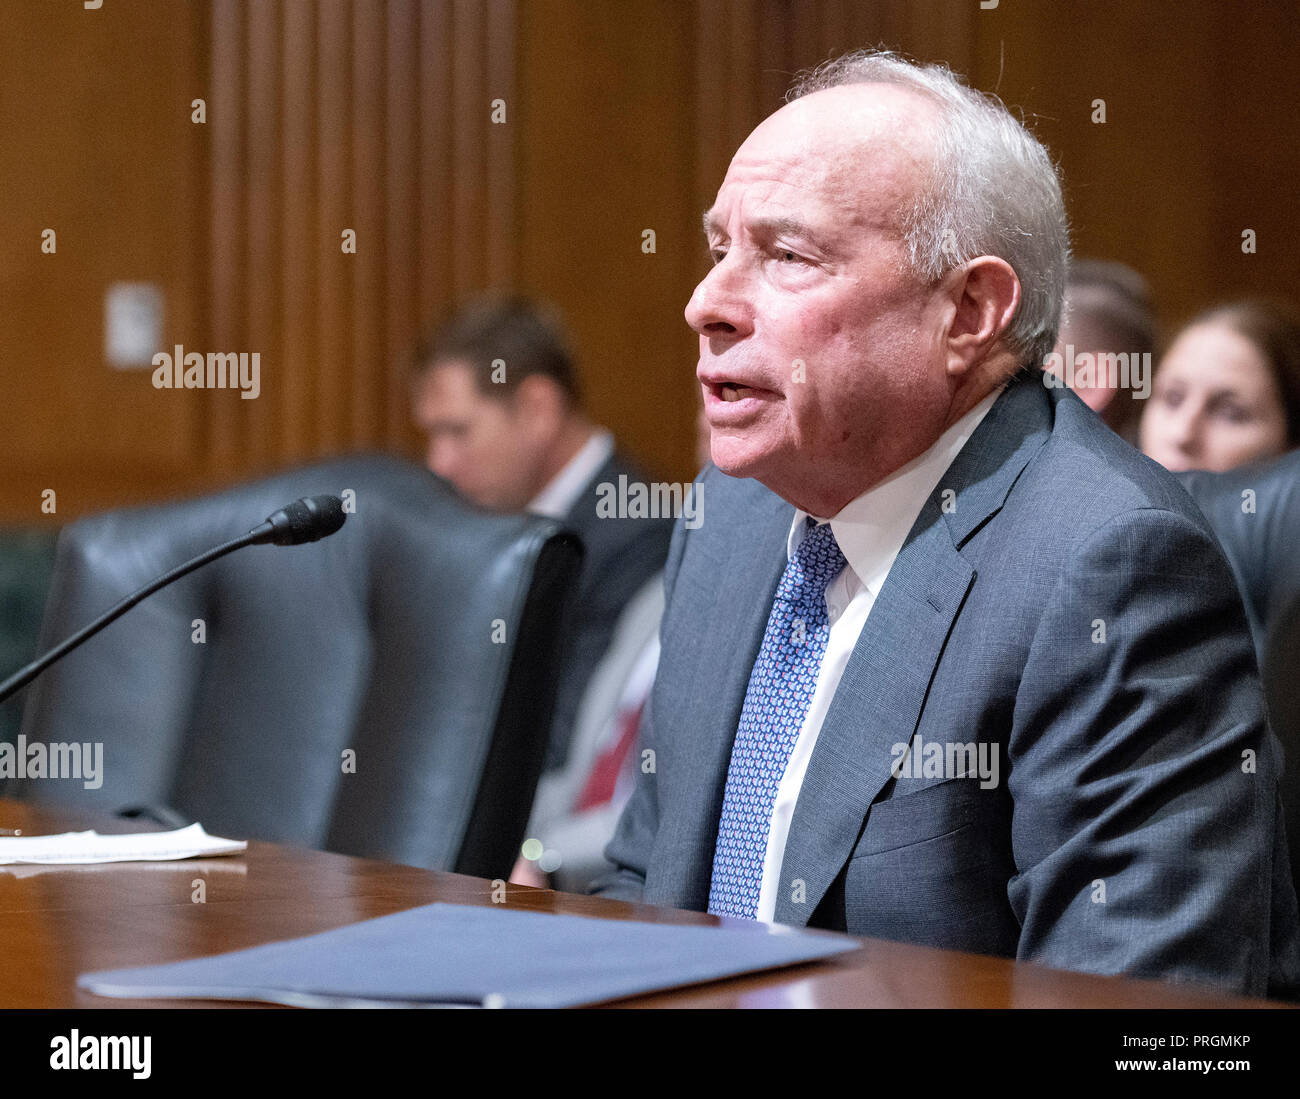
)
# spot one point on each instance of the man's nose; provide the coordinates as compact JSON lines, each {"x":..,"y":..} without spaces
{"x":440,"y":457}
{"x":720,"y":306}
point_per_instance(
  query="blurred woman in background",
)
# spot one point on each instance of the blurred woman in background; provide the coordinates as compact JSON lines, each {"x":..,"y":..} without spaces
{"x":1227,"y":392}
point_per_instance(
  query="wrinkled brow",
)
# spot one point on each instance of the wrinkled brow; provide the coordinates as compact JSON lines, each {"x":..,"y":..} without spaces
{"x":767,"y":227}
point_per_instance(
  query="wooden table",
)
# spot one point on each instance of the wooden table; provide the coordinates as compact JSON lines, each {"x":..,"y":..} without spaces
{"x":59,"y":922}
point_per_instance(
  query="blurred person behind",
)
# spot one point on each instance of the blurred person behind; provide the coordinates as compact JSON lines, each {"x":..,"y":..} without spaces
{"x":496,"y":392}
{"x":1227,"y":392}
{"x":1107,"y":314}
{"x":577,"y":806}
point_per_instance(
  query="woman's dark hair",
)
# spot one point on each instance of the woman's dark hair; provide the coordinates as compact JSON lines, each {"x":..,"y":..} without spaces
{"x":1274,"y":328}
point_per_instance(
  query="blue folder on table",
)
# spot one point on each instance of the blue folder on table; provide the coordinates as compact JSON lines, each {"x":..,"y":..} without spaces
{"x":474,"y":956}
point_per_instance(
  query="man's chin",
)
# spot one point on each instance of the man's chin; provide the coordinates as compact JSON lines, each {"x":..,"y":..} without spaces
{"x":738,"y":462}
{"x":501,"y":503}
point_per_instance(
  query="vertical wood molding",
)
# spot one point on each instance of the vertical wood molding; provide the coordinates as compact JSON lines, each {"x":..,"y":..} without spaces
{"x":401,"y":237}
{"x":436,"y":166}
{"x":227,"y":223}
{"x":295,"y":364}
{"x":469,"y":146}
{"x":334,"y":359}
{"x":366,"y":314}
{"x":264,"y":246}
{"x":354,"y":114}
{"x":500,"y":180}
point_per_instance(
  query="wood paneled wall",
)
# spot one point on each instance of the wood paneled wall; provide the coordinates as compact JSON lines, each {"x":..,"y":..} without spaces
{"x":1201,"y":139}
{"x":95,"y":145}
{"x":375,"y":116}
{"x":362,"y":117}
{"x":749,"y":50}
{"x":366,"y":115}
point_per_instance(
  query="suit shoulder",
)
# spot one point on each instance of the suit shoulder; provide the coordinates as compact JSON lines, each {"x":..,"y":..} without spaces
{"x":1085,"y":477}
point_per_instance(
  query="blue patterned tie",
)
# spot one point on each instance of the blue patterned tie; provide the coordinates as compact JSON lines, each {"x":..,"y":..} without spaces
{"x":780,"y":689}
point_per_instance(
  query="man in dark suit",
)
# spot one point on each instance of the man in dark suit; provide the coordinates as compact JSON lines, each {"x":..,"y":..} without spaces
{"x":496,"y":392}
{"x":947,"y":662}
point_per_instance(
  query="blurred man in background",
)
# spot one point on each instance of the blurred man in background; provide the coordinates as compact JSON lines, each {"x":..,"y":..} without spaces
{"x":577,"y":806}
{"x":1107,"y":314}
{"x":496,"y":392}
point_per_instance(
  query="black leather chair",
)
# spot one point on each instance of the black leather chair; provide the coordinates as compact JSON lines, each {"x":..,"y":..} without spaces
{"x":1255,"y":511}
{"x":421,"y":637}
{"x":26,"y":559}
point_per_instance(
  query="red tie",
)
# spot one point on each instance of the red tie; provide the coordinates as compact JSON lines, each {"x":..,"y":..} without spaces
{"x":604,"y":773}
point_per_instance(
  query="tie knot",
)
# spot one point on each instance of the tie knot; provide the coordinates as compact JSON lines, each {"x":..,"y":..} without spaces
{"x":819,"y":553}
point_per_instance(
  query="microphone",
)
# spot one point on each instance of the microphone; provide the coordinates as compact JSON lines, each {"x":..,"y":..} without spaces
{"x":307,"y":520}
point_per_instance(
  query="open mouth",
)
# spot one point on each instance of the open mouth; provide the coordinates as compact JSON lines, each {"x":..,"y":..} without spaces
{"x":730,"y":402}
{"x":729,"y":391}
{"x":733,"y":391}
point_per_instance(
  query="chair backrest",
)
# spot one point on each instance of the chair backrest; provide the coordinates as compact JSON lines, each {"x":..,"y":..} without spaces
{"x":1255,"y":511}
{"x":26,"y":560}
{"x":385,"y":692}
{"x":1281,"y":671}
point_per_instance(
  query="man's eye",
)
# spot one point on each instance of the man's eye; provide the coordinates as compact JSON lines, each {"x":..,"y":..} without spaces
{"x":716,"y":255}
{"x":786,"y":256}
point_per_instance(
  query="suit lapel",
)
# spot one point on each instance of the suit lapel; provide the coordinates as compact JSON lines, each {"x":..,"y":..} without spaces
{"x":877,"y":705}
{"x":738,"y":585}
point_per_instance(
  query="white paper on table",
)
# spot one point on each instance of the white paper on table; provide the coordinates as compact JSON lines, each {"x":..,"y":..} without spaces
{"x":89,"y":847}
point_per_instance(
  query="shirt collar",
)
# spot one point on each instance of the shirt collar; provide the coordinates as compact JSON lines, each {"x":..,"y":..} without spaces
{"x":564,"y":490}
{"x":871,"y":528}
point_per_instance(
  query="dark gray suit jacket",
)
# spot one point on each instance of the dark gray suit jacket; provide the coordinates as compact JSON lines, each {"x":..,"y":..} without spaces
{"x":621,"y":555}
{"x":1070,"y":607}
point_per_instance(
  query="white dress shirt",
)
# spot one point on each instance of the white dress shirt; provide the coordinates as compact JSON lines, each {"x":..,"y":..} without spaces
{"x":563,"y":490}
{"x":870,"y":531}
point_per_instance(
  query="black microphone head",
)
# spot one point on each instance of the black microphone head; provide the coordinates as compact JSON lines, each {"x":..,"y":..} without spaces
{"x":306,"y":520}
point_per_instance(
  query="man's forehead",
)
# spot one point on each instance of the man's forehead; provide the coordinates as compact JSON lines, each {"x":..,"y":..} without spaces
{"x":850,"y":115}
{"x":448,"y":381}
{"x":856,"y":149}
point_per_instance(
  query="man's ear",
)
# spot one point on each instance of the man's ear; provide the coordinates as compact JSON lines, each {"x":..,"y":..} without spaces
{"x":540,"y":403}
{"x":985,"y":292}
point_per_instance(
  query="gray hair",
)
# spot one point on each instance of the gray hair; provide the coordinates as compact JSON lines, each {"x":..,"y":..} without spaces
{"x":992,"y":191}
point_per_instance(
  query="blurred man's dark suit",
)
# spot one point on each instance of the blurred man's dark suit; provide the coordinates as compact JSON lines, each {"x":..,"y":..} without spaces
{"x":622,"y":553}
{"x":1059,"y":596}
